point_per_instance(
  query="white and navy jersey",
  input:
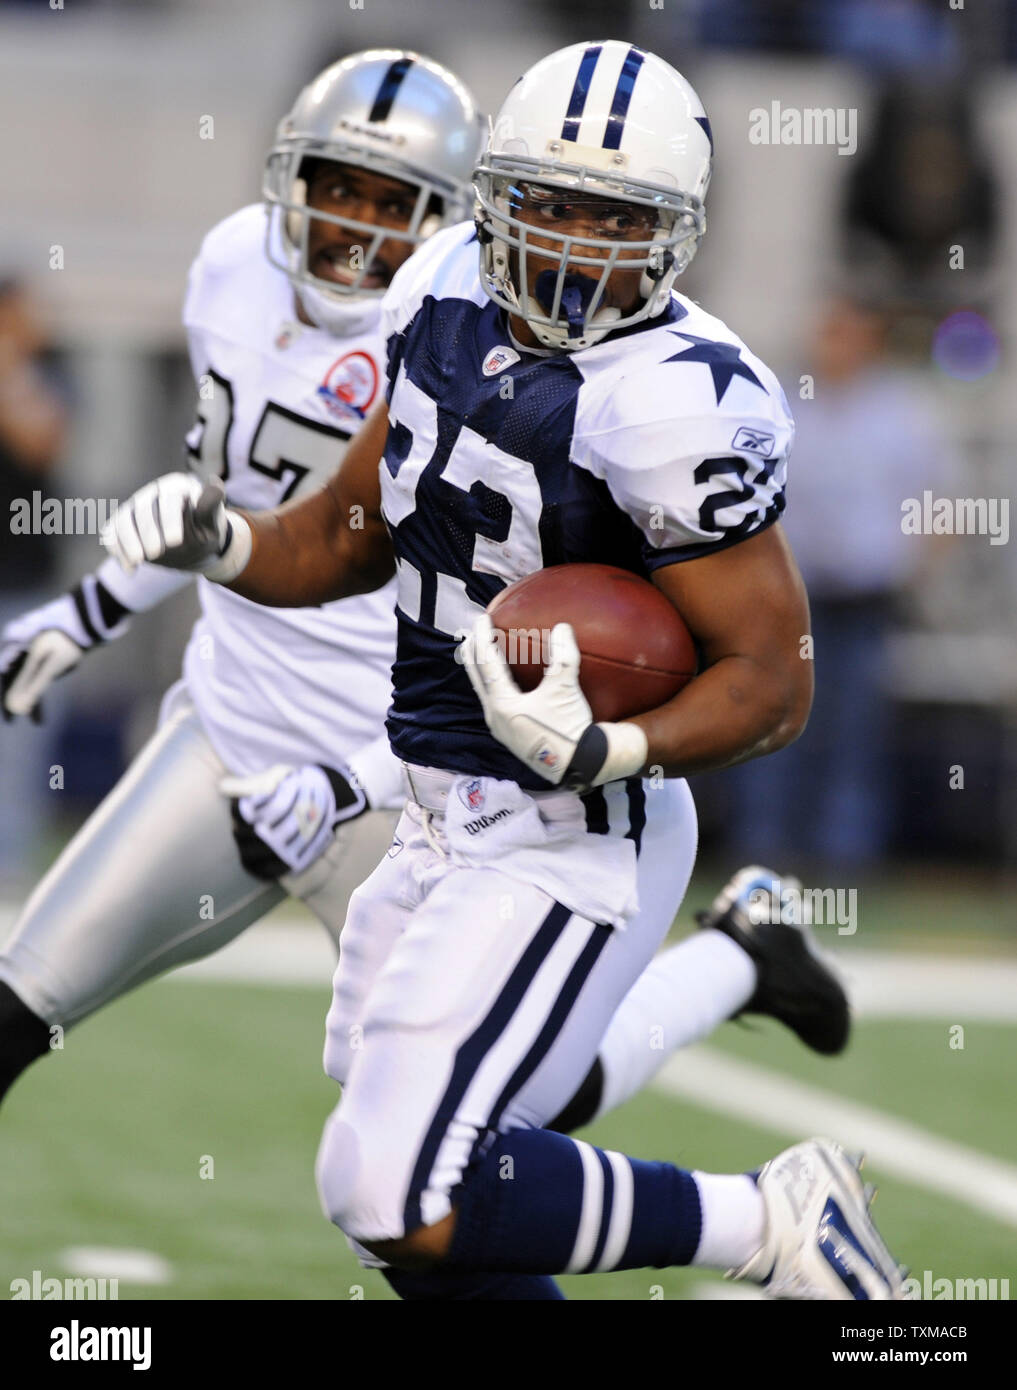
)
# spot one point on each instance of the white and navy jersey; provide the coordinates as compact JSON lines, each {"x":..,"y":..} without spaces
{"x":664,"y":442}
{"x":278,"y":404}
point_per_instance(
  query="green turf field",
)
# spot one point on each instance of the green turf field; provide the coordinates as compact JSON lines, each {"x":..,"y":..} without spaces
{"x":103,"y":1144}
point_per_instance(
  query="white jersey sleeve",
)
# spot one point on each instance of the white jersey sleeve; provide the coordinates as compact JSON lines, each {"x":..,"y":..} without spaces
{"x":693,"y":448}
{"x":431,"y":270}
{"x":145,"y":587}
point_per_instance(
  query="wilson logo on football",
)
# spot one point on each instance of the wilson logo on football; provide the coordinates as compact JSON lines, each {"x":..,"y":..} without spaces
{"x":350,"y":385}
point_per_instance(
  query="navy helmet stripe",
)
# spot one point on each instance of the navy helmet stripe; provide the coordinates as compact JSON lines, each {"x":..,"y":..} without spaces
{"x":390,"y":85}
{"x":580,"y":91}
{"x":622,"y":96}
{"x":704,"y":121}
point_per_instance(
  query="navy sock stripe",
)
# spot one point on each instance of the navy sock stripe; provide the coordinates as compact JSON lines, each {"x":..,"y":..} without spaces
{"x":637,"y":811}
{"x":606,"y":1209}
{"x":622,"y":96}
{"x":390,"y":85}
{"x":476,"y":1047}
{"x":544,"y":1222}
{"x":580,"y":91}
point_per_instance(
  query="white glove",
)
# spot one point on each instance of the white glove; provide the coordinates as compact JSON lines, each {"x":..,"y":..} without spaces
{"x":283,"y":819}
{"x":551,"y":728}
{"x":183,"y":523}
{"x":47,"y":642}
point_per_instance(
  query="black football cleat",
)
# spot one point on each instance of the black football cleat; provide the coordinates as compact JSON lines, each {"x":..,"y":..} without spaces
{"x":795,"y":985}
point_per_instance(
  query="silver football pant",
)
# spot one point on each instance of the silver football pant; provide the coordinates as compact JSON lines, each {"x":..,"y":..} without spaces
{"x":153,"y":880}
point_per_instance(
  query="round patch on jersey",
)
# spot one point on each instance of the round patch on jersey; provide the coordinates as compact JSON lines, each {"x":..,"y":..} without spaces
{"x":350,"y":385}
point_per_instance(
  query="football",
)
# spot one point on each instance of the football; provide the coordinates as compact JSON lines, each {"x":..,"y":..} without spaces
{"x":637,"y":652}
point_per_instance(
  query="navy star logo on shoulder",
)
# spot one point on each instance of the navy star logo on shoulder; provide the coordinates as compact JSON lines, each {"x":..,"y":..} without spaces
{"x":723,"y":359}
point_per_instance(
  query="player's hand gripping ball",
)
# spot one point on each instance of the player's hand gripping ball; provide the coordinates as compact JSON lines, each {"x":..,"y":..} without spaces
{"x":563,"y":654}
{"x":635,"y":651}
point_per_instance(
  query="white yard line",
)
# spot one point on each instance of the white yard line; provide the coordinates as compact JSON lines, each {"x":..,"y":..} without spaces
{"x":774,"y":1101}
{"x":132,"y":1266}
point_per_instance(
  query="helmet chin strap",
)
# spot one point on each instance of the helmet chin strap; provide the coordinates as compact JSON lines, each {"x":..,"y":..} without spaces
{"x":576,"y":294}
{"x":340,"y":317}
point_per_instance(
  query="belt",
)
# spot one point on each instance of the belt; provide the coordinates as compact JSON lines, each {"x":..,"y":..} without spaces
{"x":429,"y":788}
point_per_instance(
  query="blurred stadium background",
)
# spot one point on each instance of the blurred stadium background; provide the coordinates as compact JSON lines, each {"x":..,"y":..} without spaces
{"x":842,"y":272}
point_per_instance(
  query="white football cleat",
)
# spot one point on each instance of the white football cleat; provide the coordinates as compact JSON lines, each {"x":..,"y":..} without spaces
{"x":820,"y":1240}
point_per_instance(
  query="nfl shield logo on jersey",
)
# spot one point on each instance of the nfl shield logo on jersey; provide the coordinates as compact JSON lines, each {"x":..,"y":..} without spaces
{"x":498,"y":358}
{"x":472,"y":795}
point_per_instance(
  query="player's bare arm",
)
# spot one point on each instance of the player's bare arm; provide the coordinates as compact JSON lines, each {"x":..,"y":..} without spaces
{"x":331,"y":545}
{"x":747,"y":609}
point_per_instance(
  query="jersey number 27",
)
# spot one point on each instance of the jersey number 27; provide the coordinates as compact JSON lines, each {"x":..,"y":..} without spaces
{"x":284,"y":446}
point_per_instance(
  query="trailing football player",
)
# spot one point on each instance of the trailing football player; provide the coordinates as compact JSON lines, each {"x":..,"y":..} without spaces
{"x":270,"y":772}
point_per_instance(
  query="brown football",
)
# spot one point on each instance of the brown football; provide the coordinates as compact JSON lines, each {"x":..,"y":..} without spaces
{"x":636,"y":651}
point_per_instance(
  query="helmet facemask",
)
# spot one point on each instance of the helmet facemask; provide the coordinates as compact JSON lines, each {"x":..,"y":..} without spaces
{"x":285,"y":191}
{"x":562,"y":288}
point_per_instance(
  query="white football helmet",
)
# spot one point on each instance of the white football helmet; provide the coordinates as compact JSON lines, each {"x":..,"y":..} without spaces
{"x":394,"y":113}
{"x":606,"y":119}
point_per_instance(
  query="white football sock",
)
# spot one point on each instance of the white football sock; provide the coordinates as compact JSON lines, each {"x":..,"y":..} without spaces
{"x":734,"y":1220}
{"x":682,"y":995}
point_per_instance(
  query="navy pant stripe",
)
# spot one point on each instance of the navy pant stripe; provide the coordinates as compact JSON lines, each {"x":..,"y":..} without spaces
{"x":595,"y":806}
{"x":637,"y":811}
{"x":580,"y":91}
{"x":476,"y":1047}
{"x":390,"y":85}
{"x":622,"y":96}
{"x":574,"y":982}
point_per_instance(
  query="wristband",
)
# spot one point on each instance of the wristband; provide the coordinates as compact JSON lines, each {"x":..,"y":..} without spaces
{"x":606,"y":753}
{"x":236,"y":551}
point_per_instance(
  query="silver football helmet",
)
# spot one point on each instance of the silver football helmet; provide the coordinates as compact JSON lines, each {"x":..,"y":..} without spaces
{"x":393,"y":113}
